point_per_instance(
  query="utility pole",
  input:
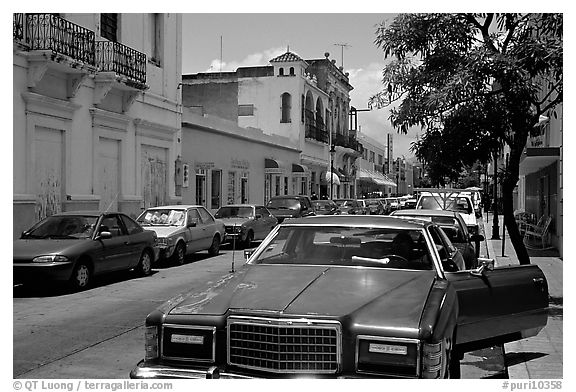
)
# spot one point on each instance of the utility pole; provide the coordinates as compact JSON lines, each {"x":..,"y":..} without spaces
{"x":495,"y":228}
{"x":342,"y":46}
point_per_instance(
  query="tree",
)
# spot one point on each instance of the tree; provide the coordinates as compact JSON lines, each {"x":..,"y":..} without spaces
{"x":474,"y":83}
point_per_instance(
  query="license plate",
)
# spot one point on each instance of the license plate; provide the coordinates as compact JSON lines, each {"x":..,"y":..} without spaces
{"x":187,"y":339}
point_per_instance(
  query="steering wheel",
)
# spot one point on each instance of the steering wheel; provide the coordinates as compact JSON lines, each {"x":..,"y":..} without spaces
{"x":396,"y":261}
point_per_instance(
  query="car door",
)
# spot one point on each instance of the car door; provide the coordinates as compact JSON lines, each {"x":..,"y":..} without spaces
{"x":208,"y":226}
{"x":501,"y":305}
{"x":116,"y":252}
{"x":137,"y":238}
{"x":194,"y":233}
{"x":266,"y":222}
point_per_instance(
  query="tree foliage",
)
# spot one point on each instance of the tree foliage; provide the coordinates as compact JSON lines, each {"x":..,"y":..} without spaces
{"x":474,"y":83}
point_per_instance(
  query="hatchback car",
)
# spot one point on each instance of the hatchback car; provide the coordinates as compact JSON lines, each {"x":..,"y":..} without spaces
{"x":455,"y":228}
{"x":344,"y":296}
{"x":245,"y":223}
{"x":183,"y":229}
{"x":74,"y":247}
{"x":289,"y":207}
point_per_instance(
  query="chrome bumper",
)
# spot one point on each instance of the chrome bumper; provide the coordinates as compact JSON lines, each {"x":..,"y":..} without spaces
{"x":143,"y":371}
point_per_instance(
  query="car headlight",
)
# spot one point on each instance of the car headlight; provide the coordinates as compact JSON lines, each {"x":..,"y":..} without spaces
{"x":392,"y":356}
{"x":151,"y":345}
{"x":50,"y":259}
{"x":164,"y":241}
{"x":238,"y":229}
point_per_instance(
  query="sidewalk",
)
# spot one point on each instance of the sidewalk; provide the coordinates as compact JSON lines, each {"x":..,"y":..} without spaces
{"x":538,"y":357}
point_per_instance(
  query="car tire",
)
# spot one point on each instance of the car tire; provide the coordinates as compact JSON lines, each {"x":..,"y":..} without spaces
{"x":249,"y":239}
{"x":179,"y":255}
{"x":81,"y":276}
{"x":144,"y":267}
{"x":215,"y":247}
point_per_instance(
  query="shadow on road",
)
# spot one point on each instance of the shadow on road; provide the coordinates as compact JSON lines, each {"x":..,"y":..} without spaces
{"x":515,"y":358}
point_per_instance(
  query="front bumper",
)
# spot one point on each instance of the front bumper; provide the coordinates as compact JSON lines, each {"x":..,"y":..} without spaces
{"x":25,"y":272}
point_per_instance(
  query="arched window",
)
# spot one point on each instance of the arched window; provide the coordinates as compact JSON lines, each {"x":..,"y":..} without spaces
{"x":281,"y":72}
{"x":291,"y":70}
{"x":286,"y":107}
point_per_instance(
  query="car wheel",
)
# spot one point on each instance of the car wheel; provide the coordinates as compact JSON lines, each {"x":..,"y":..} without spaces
{"x":144,"y":267}
{"x":179,"y":254}
{"x":81,"y":276}
{"x":215,"y":247}
{"x":249,"y":239}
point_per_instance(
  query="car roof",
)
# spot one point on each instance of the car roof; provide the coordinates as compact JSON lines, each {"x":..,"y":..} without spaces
{"x":424,"y":212}
{"x":359,"y":221}
{"x":242,"y":205}
{"x":175,"y":207}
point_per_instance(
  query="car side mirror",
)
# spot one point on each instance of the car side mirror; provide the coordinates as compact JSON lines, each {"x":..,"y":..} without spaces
{"x":484,"y":265}
{"x":104,"y":235}
{"x":476,"y":238}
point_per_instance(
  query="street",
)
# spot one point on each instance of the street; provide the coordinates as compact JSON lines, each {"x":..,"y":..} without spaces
{"x":99,"y":333}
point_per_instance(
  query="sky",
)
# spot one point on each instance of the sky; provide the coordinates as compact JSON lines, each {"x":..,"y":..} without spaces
{"x":251,"y":39}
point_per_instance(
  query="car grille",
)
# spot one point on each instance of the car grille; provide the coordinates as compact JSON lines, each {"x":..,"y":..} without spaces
{"x":284,"y":346}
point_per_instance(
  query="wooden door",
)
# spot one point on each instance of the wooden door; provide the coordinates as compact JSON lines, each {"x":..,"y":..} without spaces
{"x":154,"y":166}
{"x":48,"y":170}
{"x":108,"y":163}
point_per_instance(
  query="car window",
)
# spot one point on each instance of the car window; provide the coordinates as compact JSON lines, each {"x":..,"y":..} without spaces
{"x":112,"y":224}
{"x":193,"y":216}
{"x":234,"y":212}
{"x":131,"y":225}
{"x":291,"y":204}
{"x":347,"y":246}
{"x":64,"y":226}
{"x":205,"y":216}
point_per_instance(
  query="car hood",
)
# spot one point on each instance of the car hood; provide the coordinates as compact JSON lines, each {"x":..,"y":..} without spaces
{"x":164,"y":231}
{"x":393,"y":297}
{"x":234,"y":221}
{"x":30,"y":248}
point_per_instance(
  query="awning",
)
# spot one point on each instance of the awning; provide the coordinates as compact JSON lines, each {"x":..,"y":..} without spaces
{"x":299,"y":170}
{"x":273,"y":166}
{"x":325,"y":178}
{"x":364,"y":174}
{"x":375,"y":177}
{"x":536,"y":158}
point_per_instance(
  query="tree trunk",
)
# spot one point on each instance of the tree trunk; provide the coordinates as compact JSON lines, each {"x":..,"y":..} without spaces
{"x":510,"y":180}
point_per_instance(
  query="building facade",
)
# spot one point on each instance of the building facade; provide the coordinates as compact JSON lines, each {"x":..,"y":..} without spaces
{"x":371,"y":178}
{"x":304,"y":101}
{"x":227,"y":164}
{"x":97,"y":112}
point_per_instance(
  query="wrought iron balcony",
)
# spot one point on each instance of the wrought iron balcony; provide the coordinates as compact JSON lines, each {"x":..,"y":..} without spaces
{"x":316,"y":133}
{"x":121,"y":59}
{"x":51,"y":32}
{"x":346,"y":141}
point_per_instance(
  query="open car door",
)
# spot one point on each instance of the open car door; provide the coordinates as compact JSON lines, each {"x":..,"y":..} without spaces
{"x":499,"y":305}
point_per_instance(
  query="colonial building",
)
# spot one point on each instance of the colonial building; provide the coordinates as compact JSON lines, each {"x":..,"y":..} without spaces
{"x":371,"y":175}
{"x":97,"y":112}
{"x":304,"y":101}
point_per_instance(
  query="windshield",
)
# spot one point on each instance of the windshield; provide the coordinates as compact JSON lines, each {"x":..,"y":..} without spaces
{"x":346,"y":203}
{"x":162,"y":217}
{"x":459,"y":204}
{"x":234,"y":212}
{"x":373,"y":202}
{"x":291,"y":204}
{"x":64,"y":227}
{"x":347,"y":246}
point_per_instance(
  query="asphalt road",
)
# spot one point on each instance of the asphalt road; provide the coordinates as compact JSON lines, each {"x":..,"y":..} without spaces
{"x":99,"y":333}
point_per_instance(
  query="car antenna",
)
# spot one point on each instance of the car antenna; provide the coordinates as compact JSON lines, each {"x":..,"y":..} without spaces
{"x":233,"y":247}
{"x":110,"y":205}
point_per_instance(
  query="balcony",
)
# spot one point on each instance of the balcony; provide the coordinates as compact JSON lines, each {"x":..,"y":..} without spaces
{"x":53,"y":33}
{"x":122,"y":60}
{"x":346,"y":142}
{"x":316,"y":132}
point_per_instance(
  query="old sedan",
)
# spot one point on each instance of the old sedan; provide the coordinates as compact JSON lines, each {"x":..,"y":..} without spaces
{"x":183,"y":229}
{"x":343,"y":296}
{"x":455,"y":228}
{"x":325,"y":207}
{"x":74,"y":246}
{"x":245,"y":223}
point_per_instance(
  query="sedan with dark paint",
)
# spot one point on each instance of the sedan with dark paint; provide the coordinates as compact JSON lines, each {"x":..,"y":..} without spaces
{"x":74,"y":246}
{"x":245,"y":223}
{"x":343,"y":297}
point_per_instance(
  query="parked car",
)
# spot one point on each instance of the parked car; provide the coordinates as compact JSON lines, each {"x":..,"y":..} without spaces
{"x":452,"y":201}
{"x":290,"y":206}
{"x":74,"y":247}
{"x":183,"y":230}
{"x":394,"y":203}
{"x":245,"y":223}
{"x":410,"y":203}
{"x":455,"y":228}
{"x":344,"y":297}
{"x":349,"y":206}
{"x":325,"y":207}
{"x":375,"y":206}
{"x":364,"y":210}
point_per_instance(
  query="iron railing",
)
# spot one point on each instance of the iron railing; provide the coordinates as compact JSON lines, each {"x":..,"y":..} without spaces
{"x":18,"y":26}
{"x":125,"y":61}
{"x":51,"y":32}
{"x":346,"y":141}
{"x":316,"y":133}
